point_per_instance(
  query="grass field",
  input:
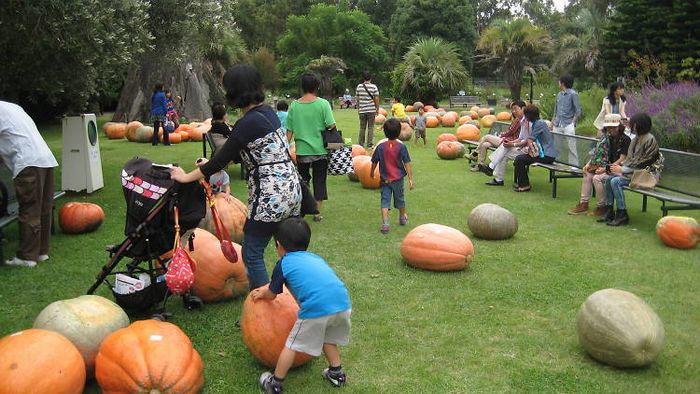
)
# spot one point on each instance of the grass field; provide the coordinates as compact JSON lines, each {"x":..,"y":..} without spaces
{"x":506,"y":324}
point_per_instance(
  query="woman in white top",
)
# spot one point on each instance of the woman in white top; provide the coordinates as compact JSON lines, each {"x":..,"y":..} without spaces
{"x":613,"y":103}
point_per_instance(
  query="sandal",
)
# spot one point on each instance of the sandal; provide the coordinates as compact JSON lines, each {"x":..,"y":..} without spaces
{"x":523,"y":189}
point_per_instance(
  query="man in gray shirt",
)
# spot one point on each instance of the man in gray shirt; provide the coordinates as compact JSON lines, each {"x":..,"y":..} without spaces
{"x":567,"y":111}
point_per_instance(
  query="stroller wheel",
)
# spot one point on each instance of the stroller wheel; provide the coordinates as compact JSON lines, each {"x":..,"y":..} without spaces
{"x":192,"y":302}
{"x":165,"y":316}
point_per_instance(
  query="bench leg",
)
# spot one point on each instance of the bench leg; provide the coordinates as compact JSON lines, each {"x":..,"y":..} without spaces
{"x":664,"y":211}
{"x":2,"y":245}
{"x":204,"y":147}
{"x":644,"y":203}
{"x":554,"y":186}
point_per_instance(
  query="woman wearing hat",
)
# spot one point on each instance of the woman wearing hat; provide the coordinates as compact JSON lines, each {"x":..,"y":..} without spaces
{"x":613,"y":103}
{"x":611,"y":149}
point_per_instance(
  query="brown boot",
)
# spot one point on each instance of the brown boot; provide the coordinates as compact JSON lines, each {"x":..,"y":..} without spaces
{"x":581,"y":208}
{"x":599,"y":211}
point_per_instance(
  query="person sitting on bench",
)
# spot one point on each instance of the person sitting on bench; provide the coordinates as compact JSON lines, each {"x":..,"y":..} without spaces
{"x":494,"y":141}
{"x":31,"y":162}
{"x":541,"y":148}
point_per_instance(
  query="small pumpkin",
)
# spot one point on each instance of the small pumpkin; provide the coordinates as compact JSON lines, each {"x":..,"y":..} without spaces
{"x":379,"y":119}
{"x":475,"y":109}
{"x":449,"y":150}
{"x":149,"y":356}
{"x":40,"y":361}
{"x":406,"y":132}
{"x":114,"y":130}
{"x":356,"y":163}
{"x":618,"y":328}
{"x":432,"y":121}
{"x":359,"y":150}
{"x":490,"y":221}
{"x":233,"y":214}
{"x":216,"y":278}
{"x":363,"y":174}
{"x":446,"y":137}
{"x":504,"y":116}
{"x":382,"y":112}
{"x":464,"y":119}
{"x":265,"y":326}
{"x":678,"y":231}
{"x":410,"y":108}
{"x":85,"y":321}
{"x":488,"y":121}
{"x":474,"y":115}
{"x":448,"y":121}
{"x":483,"y":112}
{"x":435,"y":247}
{"x":468,"y":132}
{"x":429,"y":108}
{"x":80,"y":217}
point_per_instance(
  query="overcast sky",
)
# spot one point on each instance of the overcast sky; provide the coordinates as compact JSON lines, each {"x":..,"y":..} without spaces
{"x":560,"y":4}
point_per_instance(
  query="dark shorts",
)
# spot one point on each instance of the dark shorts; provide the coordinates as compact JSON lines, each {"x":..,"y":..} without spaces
{"x":395,"y":188}
{"x":420,"y":133}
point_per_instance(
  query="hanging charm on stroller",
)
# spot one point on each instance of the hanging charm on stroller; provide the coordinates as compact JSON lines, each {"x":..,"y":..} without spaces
{"x":180,"y":274}
{"x":221,"y":232}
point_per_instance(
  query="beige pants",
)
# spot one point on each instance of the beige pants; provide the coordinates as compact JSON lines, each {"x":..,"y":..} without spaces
{"x":487,"y":141}
{"x":34,"y":190}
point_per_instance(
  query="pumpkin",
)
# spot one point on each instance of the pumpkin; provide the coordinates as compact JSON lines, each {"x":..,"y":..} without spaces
{"x":468,"y":132}
{"x":464,"y":119}
{"x":85,"y":321}
{"x":173,"y":138}
{"x":449,"y":150}
{"x":432,"y":121}
{"x":359,"y":150}
{"x":448,"y":121}
{"x":441,"y":112}
{"x":197,"y":133}
{"x":216,"y":278}
{"x":490,"y":221}
{"x":435,"y":247}
{"x":231,"y":211}
{"x":429,"y":108}
{"x":488,"y":121}
{"x":417,"y":104}
{"x":379,"y":119}
{"x":363,"y":174}
{"x":265,"y":326}
{"x":149,"y":356}
{"x":474,"y":115}
{"x":406,"y":132}
{"x":40,"y":361}
{"x":453,"y":114}
{"x":445,"y":137}
{"x":114,"y":130}
{"x":80,"y":217}
{"x":678,"y":231}
{"x":131,"y":129}
{"x":356,"y":163}
{"x":383,"y":112}
{"x":504,"y":116}
{"x":184,"y":136}
{"x":483,"y":112}
{"x":475,"y":109}
{"x":410,"y":108}
{"x":141,"y":134}
{"x":618,"y":328}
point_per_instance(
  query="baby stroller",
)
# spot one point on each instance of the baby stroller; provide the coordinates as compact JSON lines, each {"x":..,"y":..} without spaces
{"x":151,"y":197}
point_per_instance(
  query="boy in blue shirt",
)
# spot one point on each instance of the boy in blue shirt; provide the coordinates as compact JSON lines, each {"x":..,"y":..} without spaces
{"x":282,"y":108}
{"x":394,"y":164}
{"x":323,"y":322}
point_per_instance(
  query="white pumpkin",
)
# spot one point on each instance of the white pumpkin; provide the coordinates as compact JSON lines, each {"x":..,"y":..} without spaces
{"x":490,"y":221}
{"x":86,"y":321}
{"x":618,"y":328}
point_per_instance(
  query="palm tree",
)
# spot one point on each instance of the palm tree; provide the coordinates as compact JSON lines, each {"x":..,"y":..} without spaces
{"x":326,"y":67}
{"x":514,"y":45}
{"x":431,"y":68}
{"x":582,"y":45}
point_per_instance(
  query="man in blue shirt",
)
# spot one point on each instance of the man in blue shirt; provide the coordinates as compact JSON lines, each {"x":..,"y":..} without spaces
{"x":323,"y":322}
{"x":567,"y":111}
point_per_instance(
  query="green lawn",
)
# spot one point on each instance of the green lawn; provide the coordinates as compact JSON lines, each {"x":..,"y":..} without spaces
{"x":506,"y":324}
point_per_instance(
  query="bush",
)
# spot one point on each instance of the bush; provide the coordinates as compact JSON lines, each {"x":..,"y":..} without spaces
{"x":675,"y":112}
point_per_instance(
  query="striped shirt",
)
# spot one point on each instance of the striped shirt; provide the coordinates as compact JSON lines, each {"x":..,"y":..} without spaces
{"x":365,"y":102}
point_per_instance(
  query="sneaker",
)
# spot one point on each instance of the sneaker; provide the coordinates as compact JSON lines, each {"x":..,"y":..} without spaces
{"x":385,"y":229}
{"x":403,"y":220}
{"x":579,"y":209}
{"x":474,"y":168}
{"x":485,"y":169}
{"x":42,"y":257}
{"x":598,"y":211}
{"x":337,"y":378}
{"x":495,"y":182}
{"x":268,"y":385}
{"x":17,"y":262}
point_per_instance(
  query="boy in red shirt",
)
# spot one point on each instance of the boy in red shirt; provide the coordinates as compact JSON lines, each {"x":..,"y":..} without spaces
{"x":394,"y":164}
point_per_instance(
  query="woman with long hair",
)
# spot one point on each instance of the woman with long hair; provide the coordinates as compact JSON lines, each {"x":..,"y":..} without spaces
{"x":613,"y":103}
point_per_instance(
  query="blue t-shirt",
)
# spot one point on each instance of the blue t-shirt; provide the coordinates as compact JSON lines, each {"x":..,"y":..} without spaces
{"x":391,"y":156}
{"x":159,"y":104}
{"x":282,"y":116}
{"x":314,"y":284}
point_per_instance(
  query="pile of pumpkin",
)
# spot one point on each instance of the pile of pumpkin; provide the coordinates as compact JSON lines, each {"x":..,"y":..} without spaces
{"x":136,"y":131}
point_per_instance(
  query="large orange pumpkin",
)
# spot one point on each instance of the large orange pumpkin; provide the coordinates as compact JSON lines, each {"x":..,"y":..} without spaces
{"x":197,"y":133}
{"x":410,"y":108}
{"x":429,"y":108}
{"x":80,"y":217}
{"x":406,"y":132}
{"x":358,"y":150}
{"x":149,"y":356}
{"x":432,"y":121}
{"x":85,"y":321}
{"x":40,"y":361}
{"x":468,"y":132}
{"x":131,"y":129}
{"x":356,"y":163}
{"x":488,"y":121}
{"x":233,"y":214}
{"x":265,"y":326}
{"x":216,"y":278}
{"x":363,"y":173}
{"x":114,"y":130}
{"x":379,"y":119}
{"x":184,"y":135}
{"x":450,"y":150}
{"x":173,"y":138}
{"x":435,"y":247}
{"x":445,"y":137}
{"x":448,"y":121}
{"x":678,"y":231}
{"x":383,"y":112}
{"x":504,"y":116}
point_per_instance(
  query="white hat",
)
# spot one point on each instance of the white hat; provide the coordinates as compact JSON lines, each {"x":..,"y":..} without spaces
{"x":612,"y":120}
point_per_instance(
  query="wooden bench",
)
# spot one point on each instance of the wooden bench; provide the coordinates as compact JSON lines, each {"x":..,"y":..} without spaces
{"x":9,"y":207}
{"x":465,"y":101}
{"x":215,"y":141}
{"x":679,"y":183}
{"x":496,"y":129}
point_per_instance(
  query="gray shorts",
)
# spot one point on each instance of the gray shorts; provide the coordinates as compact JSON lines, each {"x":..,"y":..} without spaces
{"x":309,"y":335}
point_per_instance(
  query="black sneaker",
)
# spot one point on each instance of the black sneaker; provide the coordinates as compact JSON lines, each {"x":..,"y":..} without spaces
{"x":494,"y":182}
{"x":337,"y":378}
{"x":268,"y":384}
{"x":486,"y":170}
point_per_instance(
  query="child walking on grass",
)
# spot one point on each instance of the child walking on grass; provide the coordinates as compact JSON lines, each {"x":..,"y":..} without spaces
{"x":420,"y":124}
{"x":323,"y":322}
{"x":394,"y":164}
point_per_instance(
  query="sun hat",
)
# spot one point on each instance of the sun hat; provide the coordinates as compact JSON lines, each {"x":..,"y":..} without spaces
{"x":612,"y":120}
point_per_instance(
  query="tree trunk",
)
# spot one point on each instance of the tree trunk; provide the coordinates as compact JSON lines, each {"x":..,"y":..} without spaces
{"x":515,"y":88}
{"x":198,"y":82}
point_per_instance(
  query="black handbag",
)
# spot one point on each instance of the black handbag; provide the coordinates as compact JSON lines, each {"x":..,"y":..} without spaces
{"x":333,"y":138}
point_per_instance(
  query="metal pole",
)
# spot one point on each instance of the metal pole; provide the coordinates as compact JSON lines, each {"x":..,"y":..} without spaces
{"x":531,"y":94}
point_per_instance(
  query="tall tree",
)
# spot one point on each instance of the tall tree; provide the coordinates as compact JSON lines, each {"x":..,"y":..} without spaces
{"x":262,"y":22}
{"x":451,"y":20}
{"x":59,"y":56}
{"x":581,"y":45}
{"x":325,"y":30}
{"x":489,"y":10}
{"x":516,"y":45}
{"x":326,"y":67}
{"x":431,"y":69}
